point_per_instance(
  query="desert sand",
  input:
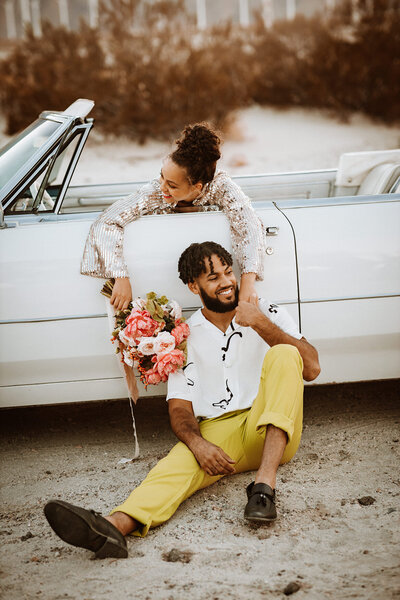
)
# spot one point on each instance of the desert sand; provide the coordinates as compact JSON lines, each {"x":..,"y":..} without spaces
{"x":337,"y":534}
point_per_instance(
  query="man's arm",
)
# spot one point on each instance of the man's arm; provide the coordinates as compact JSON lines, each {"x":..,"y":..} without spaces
{"x":184,"y":424}
{"x":249,"y":315}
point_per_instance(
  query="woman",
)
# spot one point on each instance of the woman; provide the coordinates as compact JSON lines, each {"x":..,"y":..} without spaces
{"x":188,"y":179}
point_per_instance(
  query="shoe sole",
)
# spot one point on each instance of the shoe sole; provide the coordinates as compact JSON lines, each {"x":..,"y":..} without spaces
{"x":74,"y":529}
{"x":260,"y":519}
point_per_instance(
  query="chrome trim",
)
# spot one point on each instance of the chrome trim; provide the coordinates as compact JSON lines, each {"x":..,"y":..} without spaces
{"x":50,"y":319}
{"x":189,"y":309}
{"x":12,"y":385}
{"x":316,"y":301}
{"x":333,"y":201}
{"x":54,"y":118}
{"x":86,"y":128}
{"x":272,"y":230}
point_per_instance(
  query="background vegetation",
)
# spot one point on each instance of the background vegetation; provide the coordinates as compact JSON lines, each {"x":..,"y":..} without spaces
{"x":152,"y":80}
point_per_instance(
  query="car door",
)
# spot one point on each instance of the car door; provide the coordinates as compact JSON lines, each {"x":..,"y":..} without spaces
{"x":348,"y":256}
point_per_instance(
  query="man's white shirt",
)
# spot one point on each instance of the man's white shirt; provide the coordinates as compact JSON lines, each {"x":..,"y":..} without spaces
{"x":223,"y":370}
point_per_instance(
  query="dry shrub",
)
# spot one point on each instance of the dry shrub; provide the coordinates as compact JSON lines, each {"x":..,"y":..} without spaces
{"x":333,"y":63}
{"x":147,"y":80}
{"x":50,"y":73}
{"x":150,"y":71}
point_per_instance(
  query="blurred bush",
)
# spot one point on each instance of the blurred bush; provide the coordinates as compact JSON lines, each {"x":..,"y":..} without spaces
{"x":151,"y":80}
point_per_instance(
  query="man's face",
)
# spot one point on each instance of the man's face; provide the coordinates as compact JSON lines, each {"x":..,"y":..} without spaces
{"x":217,"y":287}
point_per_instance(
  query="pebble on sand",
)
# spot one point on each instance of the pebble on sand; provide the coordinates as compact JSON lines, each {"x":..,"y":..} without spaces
{"x":176,"y":555}
{"x":366,"y":500}
{"x":291,"y":588}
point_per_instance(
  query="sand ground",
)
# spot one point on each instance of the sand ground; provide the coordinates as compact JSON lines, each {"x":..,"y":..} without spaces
{"x":324,"y":540}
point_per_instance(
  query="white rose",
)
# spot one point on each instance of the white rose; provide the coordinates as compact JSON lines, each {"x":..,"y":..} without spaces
{"x":146,"y":345}
{"x":176,"y":311}
{"x":138,"y":304}
{"x":164,"y":342}
{"x":128,"y":359}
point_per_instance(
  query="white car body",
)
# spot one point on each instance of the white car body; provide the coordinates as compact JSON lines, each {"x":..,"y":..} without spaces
{"x":332,"y":259}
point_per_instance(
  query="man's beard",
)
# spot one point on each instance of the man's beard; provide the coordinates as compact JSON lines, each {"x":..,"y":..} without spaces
{"x":216,"y":305}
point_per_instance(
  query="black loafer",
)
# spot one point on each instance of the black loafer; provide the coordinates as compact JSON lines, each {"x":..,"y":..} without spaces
{"x":261,"y":503}
{"x":85,"y":529}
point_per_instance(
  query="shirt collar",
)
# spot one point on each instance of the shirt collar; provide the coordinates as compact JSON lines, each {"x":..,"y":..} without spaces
{"x":199,"y":319}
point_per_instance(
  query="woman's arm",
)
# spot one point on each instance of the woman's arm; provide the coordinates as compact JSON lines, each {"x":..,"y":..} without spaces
{"x":247,"y":289}
{"x":247,"y":231}
{"x":103,"y":253}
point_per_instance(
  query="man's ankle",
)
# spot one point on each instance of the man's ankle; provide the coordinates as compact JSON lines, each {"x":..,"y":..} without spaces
{"x":268,"y":479}
{"x":123,"y":522}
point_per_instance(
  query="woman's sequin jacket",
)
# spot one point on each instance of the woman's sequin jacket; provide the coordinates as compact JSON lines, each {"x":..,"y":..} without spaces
{"x":103,"y":254}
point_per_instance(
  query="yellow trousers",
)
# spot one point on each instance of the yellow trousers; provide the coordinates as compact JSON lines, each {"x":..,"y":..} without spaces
{"x":240,"y":434}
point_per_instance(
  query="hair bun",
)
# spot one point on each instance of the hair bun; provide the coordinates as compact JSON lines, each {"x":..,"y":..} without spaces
{"x":201,"y":141}
{"x":197,"y":150}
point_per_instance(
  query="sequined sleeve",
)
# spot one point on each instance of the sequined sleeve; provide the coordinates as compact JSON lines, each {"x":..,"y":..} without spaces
{"x":247,"y":231}
{"x":103,"y":253}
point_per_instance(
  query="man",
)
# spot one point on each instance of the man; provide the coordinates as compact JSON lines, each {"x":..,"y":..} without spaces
{"x":236,"y":406}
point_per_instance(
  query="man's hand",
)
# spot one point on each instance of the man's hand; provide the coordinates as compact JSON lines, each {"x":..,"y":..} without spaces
{"x":248,"y":313}
{"x":121,"y":294}
{"x":212,"y":459}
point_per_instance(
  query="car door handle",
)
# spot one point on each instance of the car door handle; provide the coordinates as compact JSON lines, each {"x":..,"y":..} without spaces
{"x":272,"y":230}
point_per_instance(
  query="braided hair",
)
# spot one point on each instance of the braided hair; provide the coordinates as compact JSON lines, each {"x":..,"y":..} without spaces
{"x":197,"y":152}
{"x":192,"y":261}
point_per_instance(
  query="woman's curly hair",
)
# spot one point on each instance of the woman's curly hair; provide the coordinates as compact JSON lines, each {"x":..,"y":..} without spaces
{"x":197,"y":151}
{"x":192,"y":260}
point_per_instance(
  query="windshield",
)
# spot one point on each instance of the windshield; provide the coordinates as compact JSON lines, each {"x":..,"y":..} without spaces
{"x":22,"y":147}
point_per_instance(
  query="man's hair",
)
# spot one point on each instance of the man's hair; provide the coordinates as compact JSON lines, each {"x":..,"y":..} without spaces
{"x":192,"y":261}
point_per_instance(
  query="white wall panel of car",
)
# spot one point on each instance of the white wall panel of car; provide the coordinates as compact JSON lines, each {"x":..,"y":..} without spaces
{"x":60,"y":393}
{"x":348,"y":250}
{"x":56,"y":351}
{"x":356,"y":339}
{"x":39,"y":275}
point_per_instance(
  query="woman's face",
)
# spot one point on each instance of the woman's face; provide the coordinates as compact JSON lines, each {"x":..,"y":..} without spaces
{"x":175,"y":184}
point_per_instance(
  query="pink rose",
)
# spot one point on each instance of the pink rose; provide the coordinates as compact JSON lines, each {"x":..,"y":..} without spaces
{"x":140,"y":324}
{"x":153,"y":377}
{"x":169,"y":363}
{"x":180,"y":333}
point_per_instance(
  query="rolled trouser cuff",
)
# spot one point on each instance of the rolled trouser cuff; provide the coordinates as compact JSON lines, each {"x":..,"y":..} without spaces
{"x":142,"y":517}
{"x":278,"y":420}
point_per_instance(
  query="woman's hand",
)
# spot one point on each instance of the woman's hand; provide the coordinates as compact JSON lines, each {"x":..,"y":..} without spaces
{"x":121,"y":294}
{"x":247,"y":291}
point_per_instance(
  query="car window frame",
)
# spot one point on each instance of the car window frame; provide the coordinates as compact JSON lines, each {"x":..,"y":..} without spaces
{"x":47,"y":162}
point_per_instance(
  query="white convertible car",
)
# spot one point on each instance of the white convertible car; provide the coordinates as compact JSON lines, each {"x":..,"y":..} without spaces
{"x":333,"y":249}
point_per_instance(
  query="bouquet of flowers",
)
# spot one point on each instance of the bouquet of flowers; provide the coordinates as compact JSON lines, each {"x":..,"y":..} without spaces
{"x":151,"y":336}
